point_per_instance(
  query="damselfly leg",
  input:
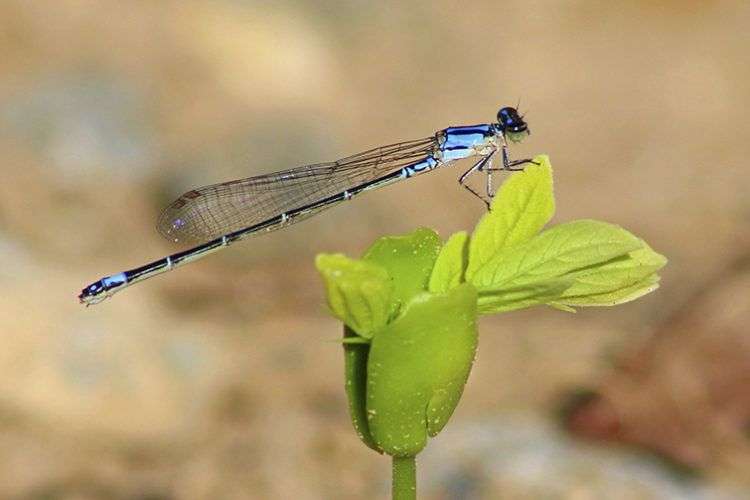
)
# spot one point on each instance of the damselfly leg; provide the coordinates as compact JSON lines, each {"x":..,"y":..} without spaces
{"x":490,"y":190}
{"x":511,"y":165}
{"x":485,"y":165}
{"x":477,"y":167}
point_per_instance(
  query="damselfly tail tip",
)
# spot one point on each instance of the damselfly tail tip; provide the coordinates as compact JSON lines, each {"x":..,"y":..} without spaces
{"x":92,"y":294}
{"x":84,"y":298}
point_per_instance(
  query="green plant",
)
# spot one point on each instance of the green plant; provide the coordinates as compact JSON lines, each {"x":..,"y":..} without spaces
{"x":410,"y":305}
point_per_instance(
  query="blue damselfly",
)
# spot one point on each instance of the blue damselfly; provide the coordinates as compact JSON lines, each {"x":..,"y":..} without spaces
{"x":221,"y":214}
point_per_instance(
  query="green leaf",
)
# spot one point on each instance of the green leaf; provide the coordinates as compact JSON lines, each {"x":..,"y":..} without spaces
{"x":613,"y":298}
{"x":408,"y":259}
{"x":512,"y":298}
{"x":616,"y":281}
{"x":448,"y":272}
{"x":355,"y":375}
{"x":355,"y":339}
{"x":563,"y":249}
{"x":524,"y":204}
{"x":359,"y":292}
{"x":561,"y":307}
{"x":417,"y":369}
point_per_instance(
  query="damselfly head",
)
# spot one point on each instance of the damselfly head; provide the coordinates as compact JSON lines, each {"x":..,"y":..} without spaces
{"x":512,"y":125}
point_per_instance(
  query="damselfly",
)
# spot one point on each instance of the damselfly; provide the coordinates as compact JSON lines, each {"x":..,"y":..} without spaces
{"x":221,"y":214}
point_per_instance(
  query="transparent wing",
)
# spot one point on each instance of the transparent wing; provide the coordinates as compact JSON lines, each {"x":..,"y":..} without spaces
{"x":212,"y":211}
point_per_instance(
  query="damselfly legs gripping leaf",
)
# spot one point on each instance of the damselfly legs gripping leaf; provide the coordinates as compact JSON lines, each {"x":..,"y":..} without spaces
{"x":218,"y":215}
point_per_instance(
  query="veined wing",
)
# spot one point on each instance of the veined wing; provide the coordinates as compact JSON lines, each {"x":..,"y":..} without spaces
{"x":212,"y":211}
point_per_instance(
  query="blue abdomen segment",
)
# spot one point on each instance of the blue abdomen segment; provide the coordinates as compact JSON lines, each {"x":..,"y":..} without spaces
{"x":462,"y":142}
{"x":417,"y":168}
{"x":114,"y":281}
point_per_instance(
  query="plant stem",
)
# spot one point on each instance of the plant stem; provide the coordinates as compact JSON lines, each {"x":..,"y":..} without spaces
{"x":404,"y":478}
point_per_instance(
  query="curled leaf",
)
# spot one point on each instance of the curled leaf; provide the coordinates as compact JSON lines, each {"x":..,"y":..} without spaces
{"x":417,"y":368}
{"x":359,"y":292}
{"x":408,"y":260}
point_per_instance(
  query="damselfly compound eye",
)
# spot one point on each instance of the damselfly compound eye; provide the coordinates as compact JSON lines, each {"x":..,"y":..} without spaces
{"x":511,"y":122}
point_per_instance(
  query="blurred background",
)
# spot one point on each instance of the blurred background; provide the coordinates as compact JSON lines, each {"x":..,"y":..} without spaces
{"x":223,"y":380}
